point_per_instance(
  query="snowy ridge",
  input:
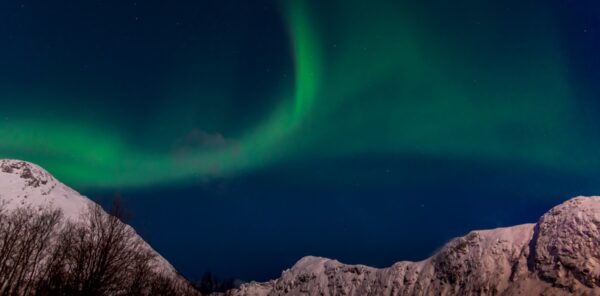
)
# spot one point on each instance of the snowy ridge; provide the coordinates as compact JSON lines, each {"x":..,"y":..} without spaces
{"x":559,"y":255}
{"x":26,"y":184}
{"x":23,"y":184}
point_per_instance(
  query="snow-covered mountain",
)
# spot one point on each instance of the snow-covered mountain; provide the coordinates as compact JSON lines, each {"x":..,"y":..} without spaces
{"x":23,"y":184}
{"x":559,"y":255}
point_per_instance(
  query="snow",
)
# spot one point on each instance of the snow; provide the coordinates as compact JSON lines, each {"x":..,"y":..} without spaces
{"x":567,"y":248}
{"x":559,"y":255}
{"x":26,"y":184}
{"x":23,"y":184}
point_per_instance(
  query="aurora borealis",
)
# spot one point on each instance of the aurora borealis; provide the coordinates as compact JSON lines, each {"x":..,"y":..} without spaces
{"x":133,"y":96}
{"x":405,"y":85}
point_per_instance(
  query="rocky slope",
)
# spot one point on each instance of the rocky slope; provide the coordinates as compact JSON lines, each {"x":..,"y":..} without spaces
{"x":559,"y":255}
{"x":24,"y":184}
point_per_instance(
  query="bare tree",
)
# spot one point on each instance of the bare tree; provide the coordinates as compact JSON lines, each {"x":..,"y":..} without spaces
{"x":25,"y":245}
{"x":102,"y":256}
{"x":43,"y":254}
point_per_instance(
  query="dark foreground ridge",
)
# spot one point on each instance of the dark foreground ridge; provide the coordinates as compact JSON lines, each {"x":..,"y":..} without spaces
{"x":559,"y":255}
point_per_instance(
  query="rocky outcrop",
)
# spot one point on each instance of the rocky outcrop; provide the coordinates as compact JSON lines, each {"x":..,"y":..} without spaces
{"x":559,"y":255}
{"x":566,"y":248}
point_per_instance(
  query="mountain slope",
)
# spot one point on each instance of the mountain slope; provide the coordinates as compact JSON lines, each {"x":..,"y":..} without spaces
{"x":559,"y":255}
{"x":24,"y":184}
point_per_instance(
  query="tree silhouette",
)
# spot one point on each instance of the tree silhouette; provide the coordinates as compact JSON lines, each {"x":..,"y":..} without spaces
{"x":41,"y":253}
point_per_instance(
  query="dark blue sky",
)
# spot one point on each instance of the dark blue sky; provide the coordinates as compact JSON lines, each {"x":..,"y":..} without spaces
{"x":367,"y":210}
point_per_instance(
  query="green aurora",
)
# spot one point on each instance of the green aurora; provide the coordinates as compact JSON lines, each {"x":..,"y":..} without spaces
{"x":374,"y":79}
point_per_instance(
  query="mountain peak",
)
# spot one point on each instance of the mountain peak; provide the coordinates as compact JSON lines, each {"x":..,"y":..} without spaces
{"x":33,"y":176}
{"x":559,"y":255}
{"x":567,"y":243}
{"x":24,"y":184}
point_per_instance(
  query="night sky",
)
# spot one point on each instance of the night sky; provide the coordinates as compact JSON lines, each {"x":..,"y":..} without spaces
{"x":243,"y":135}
